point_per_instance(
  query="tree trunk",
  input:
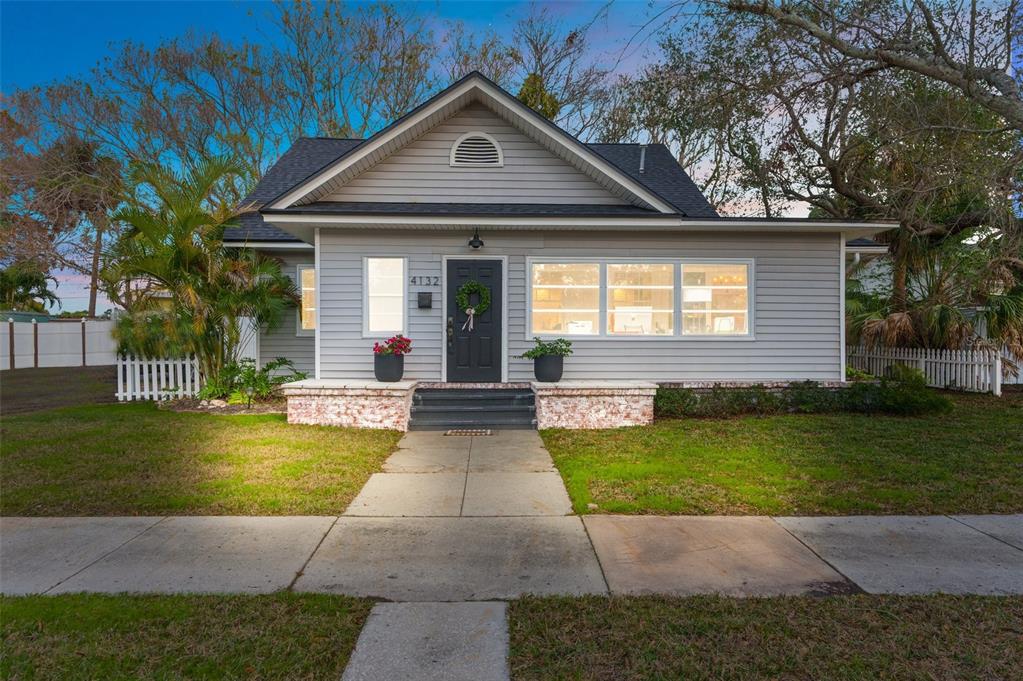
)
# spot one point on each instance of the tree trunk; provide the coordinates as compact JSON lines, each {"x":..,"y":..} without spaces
{"x":94,"y":271}
{"x":900,"y":295}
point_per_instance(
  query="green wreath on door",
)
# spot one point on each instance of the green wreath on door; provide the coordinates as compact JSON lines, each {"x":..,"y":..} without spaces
{"x":464,"y":294}
{"x":463,"y":301}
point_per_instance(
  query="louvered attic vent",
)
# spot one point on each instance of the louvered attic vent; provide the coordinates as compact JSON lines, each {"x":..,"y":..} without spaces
{"x":476,"y":149}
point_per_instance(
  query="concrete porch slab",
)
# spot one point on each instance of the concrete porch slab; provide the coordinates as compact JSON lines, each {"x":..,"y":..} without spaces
{"x":913,"y":554}
{"x":427,"y":641}
{"x":454,"y":559}
{"x":409,"y":494}
{"x":1008,"y":528}
{"x":738,"y":556}
{"x":515,"y":494}
{"x":213,"y":554}
{"x":36,"y":554}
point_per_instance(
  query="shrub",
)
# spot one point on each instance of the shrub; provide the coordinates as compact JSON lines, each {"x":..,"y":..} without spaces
{"x":854,"y":374}
{"x":903,"y":392}
{"x":242,"y":382}
{"x":674,"y":402}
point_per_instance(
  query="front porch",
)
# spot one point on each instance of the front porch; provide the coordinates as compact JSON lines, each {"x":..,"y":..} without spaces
{"x":398,"y":406}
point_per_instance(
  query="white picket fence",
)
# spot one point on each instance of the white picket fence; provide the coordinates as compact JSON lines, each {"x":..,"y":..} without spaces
{"x":967,"y":370}
{"x":156,"y":379}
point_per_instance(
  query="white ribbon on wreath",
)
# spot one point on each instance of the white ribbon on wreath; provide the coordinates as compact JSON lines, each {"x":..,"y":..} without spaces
{"x":470,"y":312}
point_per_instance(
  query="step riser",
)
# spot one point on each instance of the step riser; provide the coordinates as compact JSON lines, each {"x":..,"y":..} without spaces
{"x":472,"y":408}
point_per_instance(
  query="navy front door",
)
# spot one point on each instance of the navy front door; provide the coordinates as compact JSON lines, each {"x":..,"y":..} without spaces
{"x":474,"y":356}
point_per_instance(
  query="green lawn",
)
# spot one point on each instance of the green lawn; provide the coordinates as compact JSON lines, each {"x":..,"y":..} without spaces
{"x":134,"y":459}
{"x":966,"y":461}
{"x":86,"y":637}
{"x":847,"y":637}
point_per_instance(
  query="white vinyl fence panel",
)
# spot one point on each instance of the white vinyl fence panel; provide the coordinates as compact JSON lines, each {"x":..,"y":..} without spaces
{"x":140,"y":378}
{"x":57,"y":344}
{"x":967,"y":370}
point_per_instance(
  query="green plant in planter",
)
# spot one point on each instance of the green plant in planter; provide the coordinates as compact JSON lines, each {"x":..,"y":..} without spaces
{"x":559,"y":347}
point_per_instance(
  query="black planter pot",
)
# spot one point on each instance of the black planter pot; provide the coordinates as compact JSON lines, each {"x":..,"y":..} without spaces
{"x":388,"y":368}
{"x":548,"y":368}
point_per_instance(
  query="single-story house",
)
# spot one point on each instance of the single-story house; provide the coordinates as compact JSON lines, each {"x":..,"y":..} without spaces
{"x":611,"y":246}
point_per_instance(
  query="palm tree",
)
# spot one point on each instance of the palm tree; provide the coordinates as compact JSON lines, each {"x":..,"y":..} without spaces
{"x":961,"y":294}
{"x":174,"y":240}
{"x":26,"y":287}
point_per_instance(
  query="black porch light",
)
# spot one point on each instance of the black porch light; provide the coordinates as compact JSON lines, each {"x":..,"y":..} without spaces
{"x":476,"y":242}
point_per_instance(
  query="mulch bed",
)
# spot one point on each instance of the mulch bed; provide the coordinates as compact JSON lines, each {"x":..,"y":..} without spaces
{"x":274,"y":406}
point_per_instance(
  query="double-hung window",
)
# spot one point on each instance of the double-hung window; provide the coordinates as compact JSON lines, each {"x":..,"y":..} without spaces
{"x":715,"y":299}
{"x":655,"y":298}
{"x":384,"y":297}
{"x":307,"y":303}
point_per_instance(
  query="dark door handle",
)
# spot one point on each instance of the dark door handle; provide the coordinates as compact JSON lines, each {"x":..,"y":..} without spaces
{"x":451,"y":334}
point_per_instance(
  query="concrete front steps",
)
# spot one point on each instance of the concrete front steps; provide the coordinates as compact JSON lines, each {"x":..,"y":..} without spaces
{"x":447,"y":408}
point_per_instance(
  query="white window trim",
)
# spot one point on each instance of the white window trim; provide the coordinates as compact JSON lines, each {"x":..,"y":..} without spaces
{"x":677,"y":303}
{"x":299,"y":331}
{"x":366,"y":333}
{"x":479,"y":133}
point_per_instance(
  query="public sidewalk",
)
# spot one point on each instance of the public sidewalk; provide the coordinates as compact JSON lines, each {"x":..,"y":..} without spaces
{"x":485,"y":558}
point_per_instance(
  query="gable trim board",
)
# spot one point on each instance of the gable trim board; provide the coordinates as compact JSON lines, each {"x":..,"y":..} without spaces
{"x":473,"y":87}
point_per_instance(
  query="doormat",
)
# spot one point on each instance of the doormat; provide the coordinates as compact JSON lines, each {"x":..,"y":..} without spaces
{"x":469,"y":431}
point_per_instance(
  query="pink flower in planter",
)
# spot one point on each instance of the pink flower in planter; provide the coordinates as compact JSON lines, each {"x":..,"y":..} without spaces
{"x":395,"y":345}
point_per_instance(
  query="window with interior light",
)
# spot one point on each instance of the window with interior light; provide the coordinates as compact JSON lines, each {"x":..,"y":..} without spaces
{"x":641,"y":299}
{"x":384,"y":296}
{"x":715,"y":299}
{"x":654,"y":298}
{"x":565,"y":298}
{"x":307,"y":302}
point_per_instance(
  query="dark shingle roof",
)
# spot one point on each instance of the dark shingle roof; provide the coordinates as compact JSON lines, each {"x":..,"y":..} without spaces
{"x":662,"y":175}
{"x":306,"y":156}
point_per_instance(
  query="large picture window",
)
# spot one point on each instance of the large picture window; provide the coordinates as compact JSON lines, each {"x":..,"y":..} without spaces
{"x":655,"y":298}
{"x":641,"y":299}
{"x":565,"y":299}
{"x":715,"y":299}
{"x":307,"y":306}
{"x":384,"y":286}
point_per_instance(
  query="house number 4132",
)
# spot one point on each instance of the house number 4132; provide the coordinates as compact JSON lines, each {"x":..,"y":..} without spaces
{"x":422,"y":280}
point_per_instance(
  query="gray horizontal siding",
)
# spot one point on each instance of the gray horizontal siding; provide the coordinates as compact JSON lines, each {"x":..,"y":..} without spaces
{"x":282,"y":340}
{"x":796,"y":305}
{"x":420,"y":172}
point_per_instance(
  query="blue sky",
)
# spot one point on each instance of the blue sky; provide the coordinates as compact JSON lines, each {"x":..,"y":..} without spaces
{"x":43,"y":41}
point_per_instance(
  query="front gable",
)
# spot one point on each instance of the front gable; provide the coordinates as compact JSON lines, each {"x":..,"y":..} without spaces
{"x":424,"y":171}
{"x":566,"y":170}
